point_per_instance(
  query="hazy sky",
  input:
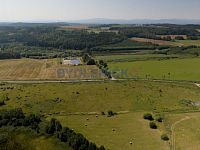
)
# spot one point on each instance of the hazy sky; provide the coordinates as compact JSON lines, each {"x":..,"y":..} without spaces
{"x":65,"y":10}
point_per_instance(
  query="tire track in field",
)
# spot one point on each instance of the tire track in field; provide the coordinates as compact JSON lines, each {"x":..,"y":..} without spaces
{"x":173,"y":139}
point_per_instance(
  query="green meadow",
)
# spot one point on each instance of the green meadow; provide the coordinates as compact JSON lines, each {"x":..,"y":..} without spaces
{"x":171,"y":69}
{"x":80,"y":106}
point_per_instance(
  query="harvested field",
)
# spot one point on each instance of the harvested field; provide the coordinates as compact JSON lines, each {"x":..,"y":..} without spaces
{"x":145,"y":40}
{"x":174,"y":36}
{"x":51,"y":69}
{"x":75,"y":27}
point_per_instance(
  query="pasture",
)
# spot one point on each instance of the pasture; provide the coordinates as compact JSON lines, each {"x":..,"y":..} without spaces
{"x":171,"y":69}
{"x":48,"y":69}
{"x":185,"y":130}
{"x":78,"y":98}
{"x":77,"y":104}
{"x":117,"y":132}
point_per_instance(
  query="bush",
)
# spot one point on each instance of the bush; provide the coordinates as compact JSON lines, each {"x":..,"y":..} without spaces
{"x":165,"y":137}
{"x":91,"y":62}
{"x":153,"y":125}
{"x":111,"y":113}
{"x":148,"y":116}
{"x":103,"y":113}
{"x":159,"y":118}
{"x":2,"y":103}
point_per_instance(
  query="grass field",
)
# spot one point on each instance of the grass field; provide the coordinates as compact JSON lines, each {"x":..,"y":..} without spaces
{"x":97,"y":97}
{"x":134,"y":57}
{"x":186,"y":130}
{"x":172,"y":69}
{"x":50,"y":69}
{"x":129,"y":127}
{"x":170,"y":43}
{"x":73,"y":103}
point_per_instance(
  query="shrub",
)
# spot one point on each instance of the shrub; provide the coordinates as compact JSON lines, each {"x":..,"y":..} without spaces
{"x":91,"y":62}
{"x":165,"y":137}
{"x":2,"y":103}
{"x":159,"y":118}
{"x":111,"y":113}
{"x":101,"y":148}
{"x":153,"y":125}
{"x":103,"y":113}
{"x":186,"y":102}
{"x":148,"y":116}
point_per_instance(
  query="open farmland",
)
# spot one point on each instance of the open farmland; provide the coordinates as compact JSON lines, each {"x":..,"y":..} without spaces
{"x":173,"y":36}
{"x":169,"y":43}
{"x":134,"y":57}
{"x":75,"y":27}
{"x":49,"y":69}
{"x":77,"y":104}
{"x":97,"y":97}
{"x":172,"y":69}
{"x":129,"y":127}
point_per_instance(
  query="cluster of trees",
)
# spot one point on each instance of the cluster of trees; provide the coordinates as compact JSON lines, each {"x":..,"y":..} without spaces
{"x":104,"y":68}
{"x":88,"y":59}
{"x":152,"y":124}
{"x":75,"y":140}
{"x":16,"y":118}
{"x":101,"y":64}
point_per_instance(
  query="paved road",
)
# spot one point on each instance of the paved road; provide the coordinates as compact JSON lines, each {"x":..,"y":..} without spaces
{"x":77,"y":81}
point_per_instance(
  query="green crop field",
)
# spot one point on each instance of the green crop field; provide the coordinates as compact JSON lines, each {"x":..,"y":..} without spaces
{"x":134,"y":57}
{"x":172,"y":69}
{"x":76,"y":105}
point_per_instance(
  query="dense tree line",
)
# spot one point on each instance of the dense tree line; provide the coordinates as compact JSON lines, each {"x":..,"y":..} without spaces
{"x":153,"y":31}
{"x":75,"y":140}
{"x":104,"y":68}
{"x":8,"y":55}
{"x":16,"y":118}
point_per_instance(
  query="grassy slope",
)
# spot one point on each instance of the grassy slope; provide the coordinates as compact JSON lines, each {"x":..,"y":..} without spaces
{"x":136,"y":97}
{"x":97,"y":97}
{"x":128,"y":128}
{"x":179,"y":69}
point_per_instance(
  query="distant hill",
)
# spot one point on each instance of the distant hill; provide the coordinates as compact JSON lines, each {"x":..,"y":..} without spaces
{"x":137,"y":21}
{"x":106,"y":21}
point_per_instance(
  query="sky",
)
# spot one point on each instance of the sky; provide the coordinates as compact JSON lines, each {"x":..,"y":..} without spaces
{"x":67,"y":10}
